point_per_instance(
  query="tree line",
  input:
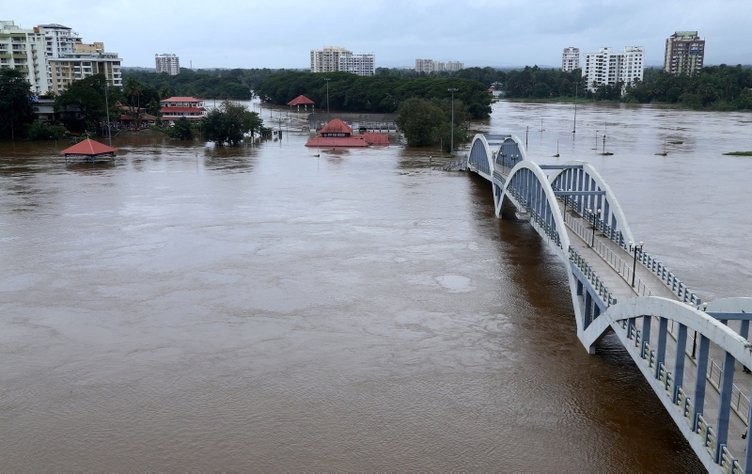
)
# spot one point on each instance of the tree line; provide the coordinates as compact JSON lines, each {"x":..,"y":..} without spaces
{"x":717,"y":88}
{"x":713,"y":88}
{"x":381,"y":93}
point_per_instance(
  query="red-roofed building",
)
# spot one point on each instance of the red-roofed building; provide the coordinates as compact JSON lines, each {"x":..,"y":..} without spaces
{"x":301,"y":100}
{"x":174,"y":108}
{"x":336,"y":133}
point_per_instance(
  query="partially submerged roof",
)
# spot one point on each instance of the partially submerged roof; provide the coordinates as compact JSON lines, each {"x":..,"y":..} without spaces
{"x":88,"y":147}
{"x":336,"y":133}
{"x":336,"y":126}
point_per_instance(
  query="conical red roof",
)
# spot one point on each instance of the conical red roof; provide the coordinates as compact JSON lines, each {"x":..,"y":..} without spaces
{"x":301,"y":100}
{"x":88,"y":147}
{"x":336,"y":126}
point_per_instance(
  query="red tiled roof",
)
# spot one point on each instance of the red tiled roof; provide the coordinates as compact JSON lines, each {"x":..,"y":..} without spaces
{"x":336,"y":126}
{"x":333,"y":142}
{"x":301,"y":100}
{"x":376,"y":138}
{"x":88,"y":147}
{"x":181,"y":99}
{"x":176,"y":110}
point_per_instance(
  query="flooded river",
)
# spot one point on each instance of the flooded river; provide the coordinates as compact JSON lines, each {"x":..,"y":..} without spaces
{"x":267,"y":309}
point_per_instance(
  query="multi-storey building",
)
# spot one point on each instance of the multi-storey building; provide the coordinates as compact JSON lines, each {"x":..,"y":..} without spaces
{"x":331,"y":59}
{"x":424,"y":66}
{"x":168,"y":63}
{"x":174,"y":108}
{"x":608,"y":68}
{"x":74,"y":67}
{"x":429,"y":66}
{"x":59,"y":39}
{"x":69,"y":59}
{"x":453,"y":66}
{"x":685,"y":53}
{"x":570,"y":59}
{"x":24,"y":50}
{"x":360,"y":64}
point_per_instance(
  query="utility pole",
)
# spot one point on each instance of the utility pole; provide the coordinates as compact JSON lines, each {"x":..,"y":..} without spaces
{"x":327,"y":94}
{"x":452,"y":90}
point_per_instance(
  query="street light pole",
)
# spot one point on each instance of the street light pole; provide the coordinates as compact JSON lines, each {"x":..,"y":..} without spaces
{"x":593,"y":213}
{"x":574,"y":120}
{"x":107,"y":109}
{"x":327,"y":94}
{"x":634,"y":247}
{"x":451,"y":142}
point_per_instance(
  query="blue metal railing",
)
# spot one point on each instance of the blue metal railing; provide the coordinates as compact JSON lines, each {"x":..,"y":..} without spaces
{"x":592,"y":277}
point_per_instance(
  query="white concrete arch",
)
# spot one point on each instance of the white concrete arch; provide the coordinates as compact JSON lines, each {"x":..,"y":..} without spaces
{"x":682,"y":313}
{"x":480,"y":143}
{"x":616,"y":209}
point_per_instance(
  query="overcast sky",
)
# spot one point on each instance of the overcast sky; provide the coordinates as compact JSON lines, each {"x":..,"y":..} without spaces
{"x":281,"y":33}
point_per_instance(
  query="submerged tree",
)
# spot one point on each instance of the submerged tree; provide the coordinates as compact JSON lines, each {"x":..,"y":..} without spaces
{"x":181,"y":130}
{"x":15,"y":103}
{"x":428,"y":122}
{"x":229,"y":123}
{"x":84,"y":104}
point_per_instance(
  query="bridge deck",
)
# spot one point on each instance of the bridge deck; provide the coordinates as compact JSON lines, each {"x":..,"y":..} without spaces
{"x":613,"y":265}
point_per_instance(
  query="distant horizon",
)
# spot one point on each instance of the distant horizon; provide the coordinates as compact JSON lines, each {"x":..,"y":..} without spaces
{"x":280,"y":35}
{"x":653,"y":66}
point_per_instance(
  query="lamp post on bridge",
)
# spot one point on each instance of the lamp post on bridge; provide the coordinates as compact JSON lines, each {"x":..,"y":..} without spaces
{"x":593,"y":213}
{"x":694,"y":339}
{"x":566,"y":201}
{"x":452,"y":90}
{"x":634,"y":248}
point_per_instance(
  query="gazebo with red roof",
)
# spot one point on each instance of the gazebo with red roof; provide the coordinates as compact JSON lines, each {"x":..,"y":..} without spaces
{"x":90,"y":149}
{"x":301,"y":100}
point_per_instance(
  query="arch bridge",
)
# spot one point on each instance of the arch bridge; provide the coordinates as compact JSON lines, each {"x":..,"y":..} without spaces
{"x":694,"y":354}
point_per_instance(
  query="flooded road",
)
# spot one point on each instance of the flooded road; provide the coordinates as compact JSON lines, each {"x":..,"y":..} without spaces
{"x":266,"y":309}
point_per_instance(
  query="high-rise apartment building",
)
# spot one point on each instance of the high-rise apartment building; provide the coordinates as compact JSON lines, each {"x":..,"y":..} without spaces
{"x":331,"y":59}
{"x":59,"y":39}
{"x":360,"y":64}
{"x":167,"y":63}
{"x":429,"y":66}
{"x":608,"y":68}
{"x":24,"y":50}
{"x":570,"y":59}
{"x":69,"y":59}
{"x":424,"y":66}
{"x":685,"y":53}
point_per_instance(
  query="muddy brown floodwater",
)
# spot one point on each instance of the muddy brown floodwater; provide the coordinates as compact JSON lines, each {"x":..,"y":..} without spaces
{"x":266,"y":309}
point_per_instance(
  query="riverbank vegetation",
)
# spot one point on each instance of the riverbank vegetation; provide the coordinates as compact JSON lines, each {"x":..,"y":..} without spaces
{"x":714,"y":88}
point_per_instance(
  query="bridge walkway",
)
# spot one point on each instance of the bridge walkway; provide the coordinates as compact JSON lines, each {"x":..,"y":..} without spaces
{"x":613,"y":265}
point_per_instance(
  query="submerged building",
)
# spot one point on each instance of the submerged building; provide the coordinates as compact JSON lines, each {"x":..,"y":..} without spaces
{"x":336,"y":133}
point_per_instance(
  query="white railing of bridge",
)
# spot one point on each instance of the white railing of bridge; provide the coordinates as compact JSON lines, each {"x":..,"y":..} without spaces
{"x":623,"y":268}
{"x":592,"y":277}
